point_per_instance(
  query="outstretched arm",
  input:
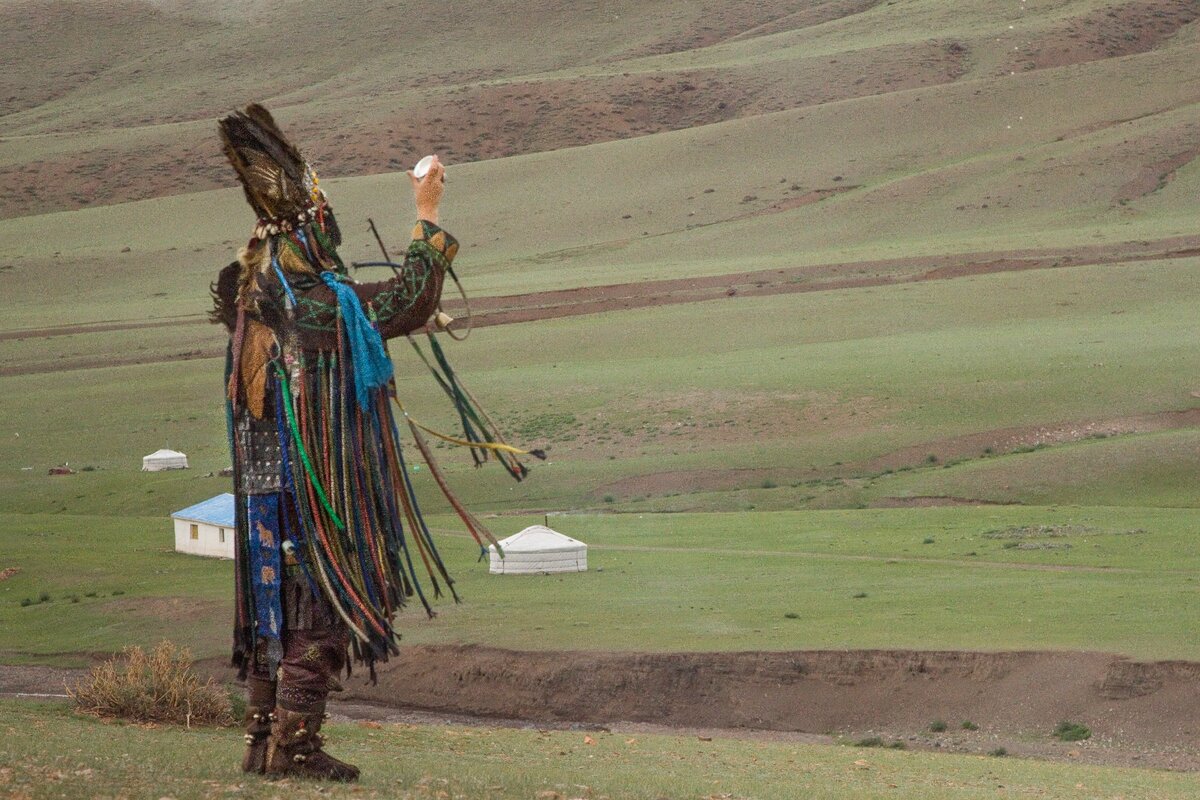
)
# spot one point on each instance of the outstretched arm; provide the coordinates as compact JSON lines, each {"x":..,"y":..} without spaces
{"x":399,"y":305}
{"x":404,"y":303}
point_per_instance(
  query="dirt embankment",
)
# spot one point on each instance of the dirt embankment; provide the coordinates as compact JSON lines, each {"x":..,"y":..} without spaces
{"x":808,"y":691}
{"x":1140,"y":713}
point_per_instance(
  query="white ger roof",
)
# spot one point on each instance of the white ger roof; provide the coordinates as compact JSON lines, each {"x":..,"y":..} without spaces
{"x":166,"y":454}
{"x":539,"y":539}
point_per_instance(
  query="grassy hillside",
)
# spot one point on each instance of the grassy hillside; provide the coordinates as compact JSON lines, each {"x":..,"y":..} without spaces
{"x":834,"y":398}
{"x":371,"y":87}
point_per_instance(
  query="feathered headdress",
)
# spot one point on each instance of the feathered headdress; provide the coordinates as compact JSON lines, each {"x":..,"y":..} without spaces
{"x":279,"y":184}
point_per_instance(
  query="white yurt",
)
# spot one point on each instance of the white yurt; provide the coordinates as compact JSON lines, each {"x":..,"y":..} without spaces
{"x":164,"y":459}
{"x":536,"y":550}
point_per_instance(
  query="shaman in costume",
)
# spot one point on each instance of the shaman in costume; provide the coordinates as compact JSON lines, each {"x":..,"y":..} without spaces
{"x":328,"y":528}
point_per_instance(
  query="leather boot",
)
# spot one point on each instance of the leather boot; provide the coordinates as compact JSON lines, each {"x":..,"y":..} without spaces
{"x":294,"y":749}
{"x":260,"y":704}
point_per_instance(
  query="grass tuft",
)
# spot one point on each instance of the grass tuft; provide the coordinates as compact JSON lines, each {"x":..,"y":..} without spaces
{"x":877,"y":741}
{"x":938,"y":726}
{"x":159,"y":686}
{"x":1071,"y":732}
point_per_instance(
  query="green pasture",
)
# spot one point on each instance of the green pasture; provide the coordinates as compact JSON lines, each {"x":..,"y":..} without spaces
{"x":790,"y":397}
{"x":920,"y":578}
{"x":48,"y":751}
{"x":1101,"y":579}
{"x":99,"y":583}
{"x":1157,"y":469}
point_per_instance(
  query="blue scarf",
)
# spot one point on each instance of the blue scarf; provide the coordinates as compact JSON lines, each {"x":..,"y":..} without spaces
{"x":372,"y":367}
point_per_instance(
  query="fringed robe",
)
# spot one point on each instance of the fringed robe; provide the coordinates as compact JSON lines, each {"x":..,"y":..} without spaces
{"x":321,"y":485}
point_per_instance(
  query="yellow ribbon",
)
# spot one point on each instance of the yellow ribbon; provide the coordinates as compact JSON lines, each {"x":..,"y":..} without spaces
{"x":495,"y":446}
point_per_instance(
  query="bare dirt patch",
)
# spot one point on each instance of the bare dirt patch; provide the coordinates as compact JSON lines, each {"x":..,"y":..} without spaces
{"x":473,"y":117}
{"x":70,"y":365}
{"x":169,"y":610}
{"x":36,"y":680}
{"x":1007,"y":440}
{"x":1121,"y":30}
{"x":475,"y":122}
{"x":698,"y":419}
{"x":932,"y":501}
{"x":475,"y":114}
{"x":1155,"y":176}
{"x":510,"y":309}
{"x":100,"y":327}
{"x":658,"y":484}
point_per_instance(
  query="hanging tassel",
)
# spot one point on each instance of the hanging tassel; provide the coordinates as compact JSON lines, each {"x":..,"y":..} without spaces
{"x":480,"y":433}
{"x":498,"y":448}
{"x":308,"y":467}
{"x":477,"y":529}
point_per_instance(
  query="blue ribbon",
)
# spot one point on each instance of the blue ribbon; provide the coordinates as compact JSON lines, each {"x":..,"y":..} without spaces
{"x":279,"y":273}
{"x":372,"y":367}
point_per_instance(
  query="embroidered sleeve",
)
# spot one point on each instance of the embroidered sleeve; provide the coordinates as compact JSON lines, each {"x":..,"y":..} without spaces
{"x":399,"y":305}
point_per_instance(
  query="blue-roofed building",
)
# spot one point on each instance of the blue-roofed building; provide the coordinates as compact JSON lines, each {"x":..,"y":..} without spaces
{"x":206,"y":529}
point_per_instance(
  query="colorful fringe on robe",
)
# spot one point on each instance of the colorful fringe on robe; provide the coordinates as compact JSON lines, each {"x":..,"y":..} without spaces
{"x":323,"y":491}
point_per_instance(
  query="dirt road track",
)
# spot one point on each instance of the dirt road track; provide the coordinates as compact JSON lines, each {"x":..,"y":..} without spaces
{"x":512,"y":309}
{"x":812,"y":278}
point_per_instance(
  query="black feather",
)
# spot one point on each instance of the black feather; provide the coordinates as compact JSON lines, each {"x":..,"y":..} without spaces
{"x":271,"y":170}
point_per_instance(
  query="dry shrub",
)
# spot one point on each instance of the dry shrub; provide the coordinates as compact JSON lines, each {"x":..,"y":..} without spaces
{"x":156,"y":687}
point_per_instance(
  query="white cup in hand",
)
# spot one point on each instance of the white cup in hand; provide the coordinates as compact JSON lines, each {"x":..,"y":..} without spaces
{"x":422,"y":168}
